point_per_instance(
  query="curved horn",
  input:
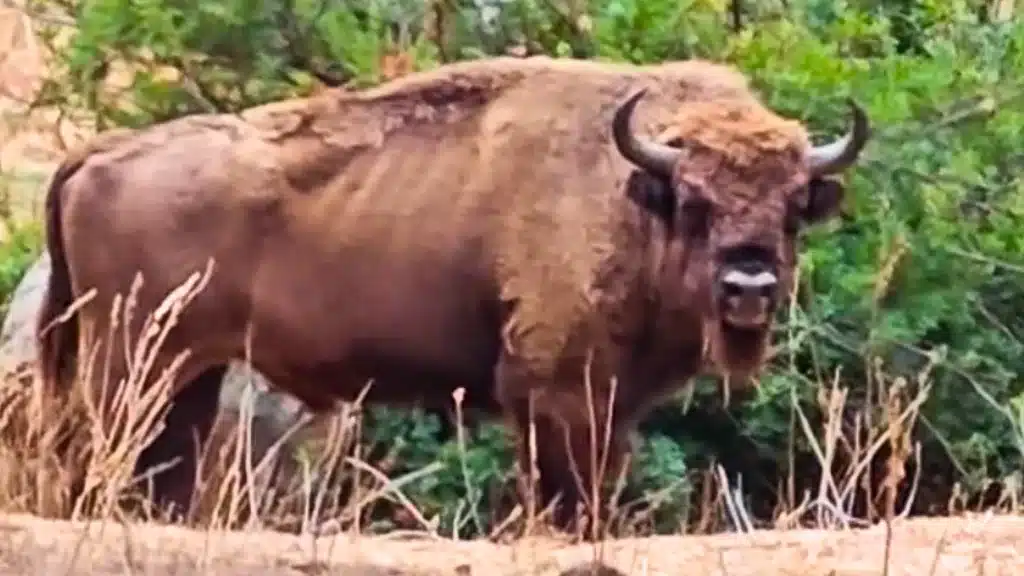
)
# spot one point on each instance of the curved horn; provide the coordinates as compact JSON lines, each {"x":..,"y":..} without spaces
{"x":841,"y":154}
{"x":656,"y":158}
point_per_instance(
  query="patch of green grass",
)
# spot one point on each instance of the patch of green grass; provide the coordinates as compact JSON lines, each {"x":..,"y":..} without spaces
{"x":17,"y":253}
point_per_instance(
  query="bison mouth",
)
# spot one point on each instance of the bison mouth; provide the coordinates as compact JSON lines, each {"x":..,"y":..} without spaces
{"x":741,"y":318}
{"x":738,"y":350}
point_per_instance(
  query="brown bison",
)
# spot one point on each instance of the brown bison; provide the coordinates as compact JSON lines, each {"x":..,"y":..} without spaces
{"x":499,"y":225}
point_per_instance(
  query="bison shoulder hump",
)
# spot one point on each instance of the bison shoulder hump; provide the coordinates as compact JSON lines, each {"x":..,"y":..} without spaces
{"x":705,"y":77}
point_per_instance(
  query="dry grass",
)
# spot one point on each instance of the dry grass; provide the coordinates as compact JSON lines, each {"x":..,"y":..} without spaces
{"x":112,"y":426}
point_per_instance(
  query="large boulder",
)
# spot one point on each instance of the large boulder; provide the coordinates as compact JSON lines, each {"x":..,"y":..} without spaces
{"x":273,"y":413}
{"x":17,"y":338}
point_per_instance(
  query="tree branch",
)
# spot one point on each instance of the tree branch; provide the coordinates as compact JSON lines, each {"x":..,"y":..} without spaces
{"x":736,"y":12}
{"x":298,"y":41}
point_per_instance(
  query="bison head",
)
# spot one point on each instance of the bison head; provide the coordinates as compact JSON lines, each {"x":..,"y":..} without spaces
{"x":734,"y":186}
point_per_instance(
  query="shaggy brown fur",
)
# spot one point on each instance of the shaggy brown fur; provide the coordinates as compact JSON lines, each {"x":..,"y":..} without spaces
{"x":472,"y":226}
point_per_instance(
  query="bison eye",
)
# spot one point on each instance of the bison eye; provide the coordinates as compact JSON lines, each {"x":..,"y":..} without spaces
{"x":695,"y":216}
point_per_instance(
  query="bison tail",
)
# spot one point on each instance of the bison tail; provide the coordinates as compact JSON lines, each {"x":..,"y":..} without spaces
{"x":57,"y":337}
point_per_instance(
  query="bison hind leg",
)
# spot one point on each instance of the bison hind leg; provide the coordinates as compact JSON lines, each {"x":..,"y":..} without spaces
{"x":171,"y":461}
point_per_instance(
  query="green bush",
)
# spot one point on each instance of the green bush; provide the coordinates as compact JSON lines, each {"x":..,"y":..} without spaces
{"x":926,"y":272}
{"x":17,"y":254}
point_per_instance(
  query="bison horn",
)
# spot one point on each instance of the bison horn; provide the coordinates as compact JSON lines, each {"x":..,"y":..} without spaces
{"x":841,"y":154}
{"x":658,"y":159}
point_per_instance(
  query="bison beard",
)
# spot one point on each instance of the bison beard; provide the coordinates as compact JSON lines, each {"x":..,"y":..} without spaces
{"x":736,"y":352}
{"x":737,"y":337}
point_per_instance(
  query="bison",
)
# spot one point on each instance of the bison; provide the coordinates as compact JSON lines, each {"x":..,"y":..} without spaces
{"x":524,"y":229}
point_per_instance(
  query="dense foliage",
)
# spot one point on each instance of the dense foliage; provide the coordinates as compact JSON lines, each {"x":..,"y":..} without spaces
{"x":925,"y":273}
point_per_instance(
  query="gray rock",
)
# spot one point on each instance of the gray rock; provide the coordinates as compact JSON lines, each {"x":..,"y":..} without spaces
{"x":273,"y":413}
{"x":17,"y":336}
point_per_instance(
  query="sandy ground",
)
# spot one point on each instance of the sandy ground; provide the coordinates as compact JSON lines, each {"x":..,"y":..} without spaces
{"x":983,"y":546}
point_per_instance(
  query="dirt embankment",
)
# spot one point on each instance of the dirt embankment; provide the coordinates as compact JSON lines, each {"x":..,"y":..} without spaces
{"x":988,"y":546}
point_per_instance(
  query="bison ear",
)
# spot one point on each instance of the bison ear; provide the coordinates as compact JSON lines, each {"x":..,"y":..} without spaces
{"x":825,"y":198}
{"x":653,"y":195}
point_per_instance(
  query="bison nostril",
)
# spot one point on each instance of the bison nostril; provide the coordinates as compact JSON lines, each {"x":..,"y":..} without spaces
{"x":730,"y":290}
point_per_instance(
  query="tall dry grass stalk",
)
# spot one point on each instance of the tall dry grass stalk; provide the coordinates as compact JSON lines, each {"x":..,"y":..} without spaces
{"x":848,"y":443}
{"x":105,"y":425}
{"x":324,"y":486}
{"x":332,"y":487}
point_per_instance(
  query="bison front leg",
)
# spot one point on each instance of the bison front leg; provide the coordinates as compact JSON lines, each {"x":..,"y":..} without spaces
{"x":578,"y":449}
{"x":573,"y":470}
